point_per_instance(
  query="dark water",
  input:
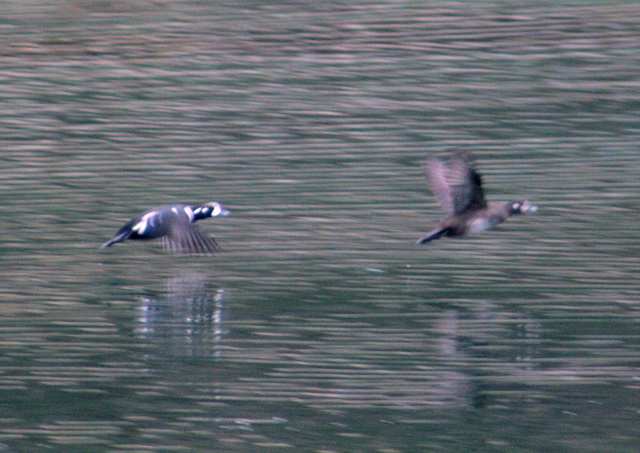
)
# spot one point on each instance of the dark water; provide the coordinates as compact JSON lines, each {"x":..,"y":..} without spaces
{"x":322,"y":326}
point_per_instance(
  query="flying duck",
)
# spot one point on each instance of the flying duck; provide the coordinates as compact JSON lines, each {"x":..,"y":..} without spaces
{"x":174,"y":224}
{"x":458,"y":189}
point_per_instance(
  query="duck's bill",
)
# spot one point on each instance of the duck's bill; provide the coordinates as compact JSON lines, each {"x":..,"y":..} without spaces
{"x":528,"y":207}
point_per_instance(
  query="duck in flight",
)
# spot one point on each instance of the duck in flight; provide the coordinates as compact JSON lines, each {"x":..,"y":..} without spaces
{"x":458,"y":189}
{"x":174,"y":225}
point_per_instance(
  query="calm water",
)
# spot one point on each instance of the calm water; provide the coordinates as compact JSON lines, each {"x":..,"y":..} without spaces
{"x":321,"y":326}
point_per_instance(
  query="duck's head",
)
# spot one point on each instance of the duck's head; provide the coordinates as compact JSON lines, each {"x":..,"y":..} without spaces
{"x":211,"y":209}
{"x":521,"y":207}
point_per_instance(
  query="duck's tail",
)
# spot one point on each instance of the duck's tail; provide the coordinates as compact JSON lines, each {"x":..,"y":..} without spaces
{"x":118,"y":238}
{"x":434,"y":234}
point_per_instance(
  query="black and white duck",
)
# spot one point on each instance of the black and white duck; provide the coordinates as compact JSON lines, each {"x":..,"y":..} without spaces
{"x":174,"y":225}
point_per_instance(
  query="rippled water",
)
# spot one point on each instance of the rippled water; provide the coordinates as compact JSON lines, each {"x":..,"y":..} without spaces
{"x":321,"y":326}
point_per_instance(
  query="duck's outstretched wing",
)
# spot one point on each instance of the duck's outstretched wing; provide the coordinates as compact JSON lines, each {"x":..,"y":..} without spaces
{"x":436,"y":172}
{"x":187,"y":238}
{"x":456,"y":186}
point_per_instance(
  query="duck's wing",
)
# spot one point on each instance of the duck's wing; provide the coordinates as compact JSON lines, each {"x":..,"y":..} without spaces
{"x":436,"y":172}
{"x":466,"y":184}
{"x":187,"y":238}
{"x":456,"y":186}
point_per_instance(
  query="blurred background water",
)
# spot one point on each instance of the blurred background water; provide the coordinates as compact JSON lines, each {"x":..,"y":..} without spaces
{"x":321,"y":326}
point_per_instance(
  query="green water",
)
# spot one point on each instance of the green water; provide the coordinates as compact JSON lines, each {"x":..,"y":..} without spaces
{"x":321,"y":326}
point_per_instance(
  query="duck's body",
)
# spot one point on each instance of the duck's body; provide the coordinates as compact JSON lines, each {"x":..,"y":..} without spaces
{"x":174,"y":224}
{"x":458,"y":188}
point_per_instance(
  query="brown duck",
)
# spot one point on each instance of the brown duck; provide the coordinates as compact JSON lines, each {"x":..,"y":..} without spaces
{"x":458,"y":188}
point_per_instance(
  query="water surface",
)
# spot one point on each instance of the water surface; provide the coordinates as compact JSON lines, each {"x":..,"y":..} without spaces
{"x":321,"y":326}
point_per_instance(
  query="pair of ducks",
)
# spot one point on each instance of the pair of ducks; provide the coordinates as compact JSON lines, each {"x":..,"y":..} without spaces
{"x":456,"y":186}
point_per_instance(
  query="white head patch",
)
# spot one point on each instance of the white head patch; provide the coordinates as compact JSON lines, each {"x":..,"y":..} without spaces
{"x":216,"y":209}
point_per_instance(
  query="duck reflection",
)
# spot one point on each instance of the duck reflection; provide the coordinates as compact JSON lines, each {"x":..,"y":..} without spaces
{"x":493,"y":348}
{"x":187,"y":321}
